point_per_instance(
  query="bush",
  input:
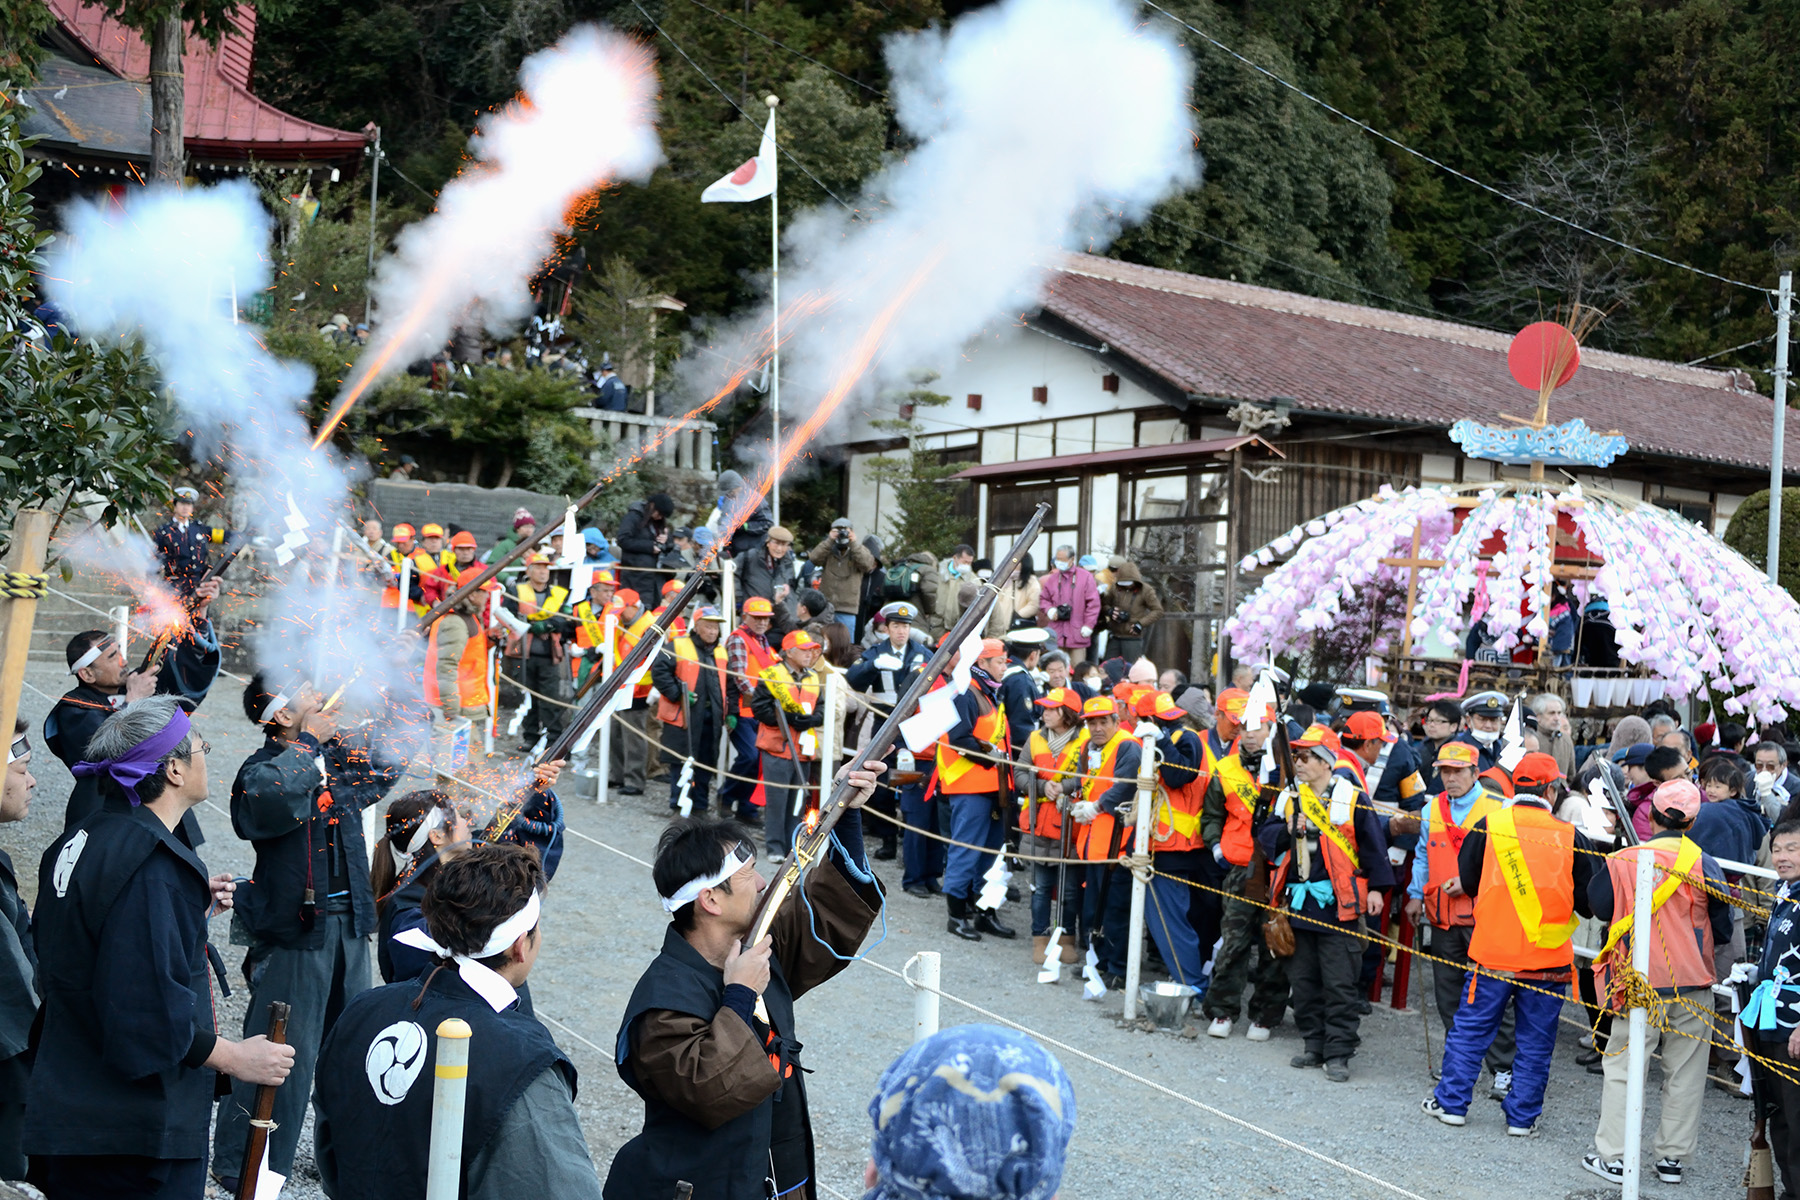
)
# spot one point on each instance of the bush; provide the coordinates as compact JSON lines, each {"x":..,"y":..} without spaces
{"x":1748,"y":534}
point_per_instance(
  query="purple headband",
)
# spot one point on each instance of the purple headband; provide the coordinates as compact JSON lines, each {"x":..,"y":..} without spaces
{"x":142,"y":760}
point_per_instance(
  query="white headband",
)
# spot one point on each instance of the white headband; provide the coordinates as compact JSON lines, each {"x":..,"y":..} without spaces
{"x":275,"y":705}
{"x":486,"y":982}
{"x":18,"y":748}
{"x":93,"y":652}
{"x":690,"y":891}
{"x":434,"y":819}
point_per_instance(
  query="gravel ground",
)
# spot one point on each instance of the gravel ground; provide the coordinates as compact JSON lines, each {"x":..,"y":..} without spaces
{"x":603,"y":924}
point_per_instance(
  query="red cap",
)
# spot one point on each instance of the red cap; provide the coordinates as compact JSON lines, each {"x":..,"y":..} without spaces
{"x":1535,"y":770}
{"x":1367,"y":725}
{"x":462,"y":538}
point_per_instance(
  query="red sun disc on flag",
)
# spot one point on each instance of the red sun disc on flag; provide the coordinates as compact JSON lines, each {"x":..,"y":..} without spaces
{"x":1543,"y":352}
{"x":745,"y":173}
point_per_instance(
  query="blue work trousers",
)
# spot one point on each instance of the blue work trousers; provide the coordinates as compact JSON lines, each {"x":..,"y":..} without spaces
{"x":746,"y":761}
{"x":1166,"y":911}
{"x":924,"y":855}
{"x":1536,"y":1007}
{"x":972,"y":820}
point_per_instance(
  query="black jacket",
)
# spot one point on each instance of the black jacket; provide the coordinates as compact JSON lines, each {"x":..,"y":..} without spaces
{"x":183,"y":553}
{"x":18,"y":966}
{"x":705,"y":713}
{"x":128,"y":1016}
{"x":636,"y":544}
{"x":276,"y":806}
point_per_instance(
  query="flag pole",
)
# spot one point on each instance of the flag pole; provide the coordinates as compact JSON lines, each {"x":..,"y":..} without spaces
{"x":775,"y":327}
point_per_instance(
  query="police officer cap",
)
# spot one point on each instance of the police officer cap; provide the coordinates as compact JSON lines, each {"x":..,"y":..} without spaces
{"x":1030,"y":635}
{"x":900,"y":610}
{"x":1485,"y":704}
{"x":1362,"y":700}
{"x":188,"y":494}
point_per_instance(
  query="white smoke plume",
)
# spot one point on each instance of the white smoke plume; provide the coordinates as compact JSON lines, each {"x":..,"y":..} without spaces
{"x":586,"y":118}
{"x":1044,"y":126}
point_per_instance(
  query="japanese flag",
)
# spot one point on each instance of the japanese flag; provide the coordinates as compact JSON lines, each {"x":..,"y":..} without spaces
{"x":752,"y":181}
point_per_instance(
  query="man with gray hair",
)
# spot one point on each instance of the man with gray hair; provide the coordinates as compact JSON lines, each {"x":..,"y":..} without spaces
{"x":1554,"y":735}
{"x":1069,"y":604}
{"x":122,"y":1089}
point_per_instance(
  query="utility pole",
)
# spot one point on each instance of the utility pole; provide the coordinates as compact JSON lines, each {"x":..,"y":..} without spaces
{"x":1784,"y":307}
{"x":374,"y":193}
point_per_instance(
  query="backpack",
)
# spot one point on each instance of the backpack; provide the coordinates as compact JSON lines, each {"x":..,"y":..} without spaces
{"x":900,"y":581}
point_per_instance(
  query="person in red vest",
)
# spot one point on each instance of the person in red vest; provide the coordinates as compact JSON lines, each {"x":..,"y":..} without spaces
{"x":747,"y":655}
{"x":974,"y":776}
{"x":1333,"y":872}
{"x":1524,"y":877}
{"x":1226,"y":813}
{"x":1686,"y":923}
{"x":1435,"y":895}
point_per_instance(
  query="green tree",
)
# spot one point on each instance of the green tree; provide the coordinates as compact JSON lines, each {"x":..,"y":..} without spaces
{"x":79,"y":419}
{"x":522,"y":418}
{"x":923,"y":506}
{"x":1748,"y":534}
{"x":21,"y":24}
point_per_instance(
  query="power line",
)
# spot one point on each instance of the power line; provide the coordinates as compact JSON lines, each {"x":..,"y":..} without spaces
{"x":797,"y":53}
{"x":1694,"y":362}
{"x":1445,"y":167}
{"x":751,"y":121}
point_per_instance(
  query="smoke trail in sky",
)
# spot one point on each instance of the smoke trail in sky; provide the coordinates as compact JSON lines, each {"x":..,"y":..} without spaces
{"x":585,"y":118}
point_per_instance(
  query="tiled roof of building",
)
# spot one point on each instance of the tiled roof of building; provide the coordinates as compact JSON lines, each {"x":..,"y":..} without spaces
{"x":1216,"y":338}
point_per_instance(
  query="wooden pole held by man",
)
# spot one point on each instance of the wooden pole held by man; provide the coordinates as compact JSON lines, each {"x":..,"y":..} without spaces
{"x":261,"y":1121}
{"x":18,"y":604}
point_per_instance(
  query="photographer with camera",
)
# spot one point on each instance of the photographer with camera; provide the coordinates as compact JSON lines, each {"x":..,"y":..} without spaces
{"x":843,"y":563}
{"x":1069,"y":605}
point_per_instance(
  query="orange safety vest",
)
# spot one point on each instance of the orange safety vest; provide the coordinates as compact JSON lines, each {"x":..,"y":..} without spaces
{"x":1348,"y":887}
{"x":591,"y":630}
{"x":1094,"y":841}
{"x":1241,"y":793}
{"x":443,"y":567}
{"x":760,"y":657}
{"x":1177,"y":824}
{"x":1049,"y":767}
{"x":628,"y":640}
{"x":1525,"y":912}
{"x":1682,"y":954}
{"x":1443,"y":840}
{"x":1500,"y":778}
{"x":962,"y":776}
{"x":805,"y":689}
{"x":687,"y":671}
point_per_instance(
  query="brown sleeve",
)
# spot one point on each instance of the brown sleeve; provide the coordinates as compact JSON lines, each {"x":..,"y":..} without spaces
{"x":708,"y":1071}
{"x":842,"y":912}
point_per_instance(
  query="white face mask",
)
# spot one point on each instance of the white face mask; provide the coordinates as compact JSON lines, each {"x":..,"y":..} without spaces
{"x":1486,"y":737}
{"x":1064,"y":565}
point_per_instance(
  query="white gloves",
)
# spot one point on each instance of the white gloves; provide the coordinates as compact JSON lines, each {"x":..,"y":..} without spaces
{"x":1147,"y":731}
{"x":1084,"y":812}
{"x":1087,"y":631}
{"x":1218,"y":854}
{"x":577,"y":651}
{"x":887,"y":662}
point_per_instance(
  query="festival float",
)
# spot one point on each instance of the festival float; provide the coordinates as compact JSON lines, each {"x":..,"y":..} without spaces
{"x":1511,"y":559}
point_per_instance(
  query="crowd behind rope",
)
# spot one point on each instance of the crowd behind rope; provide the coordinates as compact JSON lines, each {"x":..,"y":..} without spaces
{"x":1271,"y":892}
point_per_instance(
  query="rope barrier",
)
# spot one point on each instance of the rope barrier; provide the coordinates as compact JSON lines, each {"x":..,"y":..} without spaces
{"x":24,"y":585}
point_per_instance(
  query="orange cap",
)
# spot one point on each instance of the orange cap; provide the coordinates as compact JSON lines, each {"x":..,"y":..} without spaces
{"x":673,"y":585}
{"x":756,"y":606}
{"x":463,"y":538}
{"x":1367,"y":725}
{"x":1067,"y":698}
{"x":431,"y":530}
{"x":993,"y":648}
{"x":1099,"y":706}
{"x":604,"y":577}
{"x":799,"y":639}
{"x":626,"y":597}
{"x":1232,"y":701}
{"x":403,"y":532}
{"x":1316,"y":738}
{"x":1458,"y":754}
{"x":1159,"y":705}
{"x":1535,"y":770}
{"x":536,"y":558}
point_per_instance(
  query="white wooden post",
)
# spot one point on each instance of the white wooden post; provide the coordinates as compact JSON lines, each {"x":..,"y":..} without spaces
{"x":404,"y":608}
{"x":1640,"y":1032}
{"x":1134,"y":943}
{"x":443,"y":1179}
{"x":925,"y":985}
{"x":608,"y":640}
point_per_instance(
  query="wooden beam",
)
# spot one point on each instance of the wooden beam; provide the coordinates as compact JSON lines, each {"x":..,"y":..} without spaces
{"x":30,"y":539}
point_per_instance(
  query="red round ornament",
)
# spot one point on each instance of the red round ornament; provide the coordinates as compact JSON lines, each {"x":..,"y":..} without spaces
{"x":1538,"y":350}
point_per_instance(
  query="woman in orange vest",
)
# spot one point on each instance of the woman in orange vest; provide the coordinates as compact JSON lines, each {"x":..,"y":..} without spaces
{"x":1524,"y":875}
{"x":1686,"y":923}
{"x":1435,"y":894}
{"x":1056,"y":750}
{"x":1333,"y":871}
{"x":1109,"y":767}
{"x":973,"y":775}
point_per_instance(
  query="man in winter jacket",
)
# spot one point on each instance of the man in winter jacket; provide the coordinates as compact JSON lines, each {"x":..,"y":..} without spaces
{"x":843,"y":563}
{"x":1132,"y":606}
{"x":1069,"y":605}
{"x":750,"y":533}
{"x":643,"y":536}
{"x":770,"y":571}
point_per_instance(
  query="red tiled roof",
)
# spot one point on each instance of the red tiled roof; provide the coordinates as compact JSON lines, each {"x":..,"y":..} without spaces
{"x":1136,"y":456}
{"x":221,"y":115}
{"x":1212,"y":337}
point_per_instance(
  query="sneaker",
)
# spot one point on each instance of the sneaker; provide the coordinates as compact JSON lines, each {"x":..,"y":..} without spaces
{"x":1220,"y":1027}
{"x":1257,"y":1033}
{"x":1337,"y":1070}
{"x":1612,"y":1172}
{"x":1527,"y":1131}
{"x":1668,"y":1170}
{"x":1307,"y":1059}
{"x":1431,"y":1108}
{"x":1502,"y":1085}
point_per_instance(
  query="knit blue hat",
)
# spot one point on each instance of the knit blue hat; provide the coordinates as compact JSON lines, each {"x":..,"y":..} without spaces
{"x":971,"y":1113}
